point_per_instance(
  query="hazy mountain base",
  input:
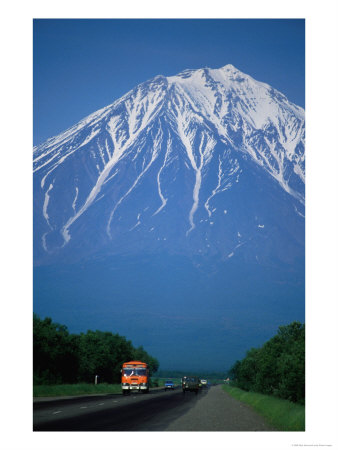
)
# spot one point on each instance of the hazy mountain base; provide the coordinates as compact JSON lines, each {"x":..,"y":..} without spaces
{"x":187,"y":314}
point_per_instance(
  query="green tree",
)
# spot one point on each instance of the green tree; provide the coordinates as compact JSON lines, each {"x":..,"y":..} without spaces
{"x":291,"y":364}
{"x":247,"y":370}
{"x":55,"y":353}
{"x":278,"y":367}
{"x":60,"y":357}
{"x":102,"y":354}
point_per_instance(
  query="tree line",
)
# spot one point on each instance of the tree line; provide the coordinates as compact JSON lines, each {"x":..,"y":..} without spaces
{"x":61,"y":357}
{"x":277,"y":368}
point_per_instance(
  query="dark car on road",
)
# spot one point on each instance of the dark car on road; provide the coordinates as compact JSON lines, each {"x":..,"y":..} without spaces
{"x":168,"y":385}
{"x":191,"y":384}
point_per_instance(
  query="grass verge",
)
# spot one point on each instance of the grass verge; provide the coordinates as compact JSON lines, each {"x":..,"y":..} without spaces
{"x":281,"y":414}
{"x":57,"y":390}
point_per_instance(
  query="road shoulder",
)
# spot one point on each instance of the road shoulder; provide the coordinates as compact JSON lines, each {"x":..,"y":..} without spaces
{"x":218,"y":411}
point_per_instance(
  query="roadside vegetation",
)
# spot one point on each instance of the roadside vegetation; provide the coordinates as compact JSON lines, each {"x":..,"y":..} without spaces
{"x":61,"y":358}
{"x":271,"y":379}
{"x":277,"y":368}
{"x":283,"y":415}
{"x":56,"y":390}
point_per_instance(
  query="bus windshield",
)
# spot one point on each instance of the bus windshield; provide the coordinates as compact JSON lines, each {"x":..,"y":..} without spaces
{"x":135,"y":371}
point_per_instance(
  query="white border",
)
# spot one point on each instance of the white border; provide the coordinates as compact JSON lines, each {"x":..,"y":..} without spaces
{"x":321,"y":231}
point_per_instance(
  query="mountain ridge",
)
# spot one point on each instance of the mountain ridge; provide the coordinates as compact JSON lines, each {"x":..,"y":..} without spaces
{"x":183,"y":139}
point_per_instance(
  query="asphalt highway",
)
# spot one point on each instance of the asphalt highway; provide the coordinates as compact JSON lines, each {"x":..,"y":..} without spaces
{"x":209,"y":410}
{"x":135,"y":412}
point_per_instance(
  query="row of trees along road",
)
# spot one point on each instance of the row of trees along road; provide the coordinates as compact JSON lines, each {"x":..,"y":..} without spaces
{"x":60,"y":357}
{"x":277,"y":368}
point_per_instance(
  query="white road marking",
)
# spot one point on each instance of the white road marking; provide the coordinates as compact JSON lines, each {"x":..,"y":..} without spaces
{"x":57,"y":412}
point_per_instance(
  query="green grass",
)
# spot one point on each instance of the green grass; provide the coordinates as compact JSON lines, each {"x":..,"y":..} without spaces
{"x":283,"y":415}
{"x":57,"y":390}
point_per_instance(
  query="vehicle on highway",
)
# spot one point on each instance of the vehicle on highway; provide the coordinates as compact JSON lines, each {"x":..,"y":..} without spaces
{"x":204,"y":383}
{"x":191,"y":384}
{"x":135,"y":377}
{"x":169,"y":384}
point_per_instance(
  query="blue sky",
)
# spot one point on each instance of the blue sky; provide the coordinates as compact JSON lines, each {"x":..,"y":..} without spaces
{"x":82,"y":65}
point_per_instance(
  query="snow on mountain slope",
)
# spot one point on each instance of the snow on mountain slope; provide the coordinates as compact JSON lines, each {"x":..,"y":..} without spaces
{"x":192,"y":163}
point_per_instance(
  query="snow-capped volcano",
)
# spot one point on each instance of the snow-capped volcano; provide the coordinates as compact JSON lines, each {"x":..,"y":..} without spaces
{"x":209,"y":161}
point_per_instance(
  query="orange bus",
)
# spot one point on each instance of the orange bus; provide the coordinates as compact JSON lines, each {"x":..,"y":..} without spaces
{"x":135,"y":377}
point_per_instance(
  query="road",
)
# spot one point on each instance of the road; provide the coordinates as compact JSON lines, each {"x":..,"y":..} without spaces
{"x":210,"y":410}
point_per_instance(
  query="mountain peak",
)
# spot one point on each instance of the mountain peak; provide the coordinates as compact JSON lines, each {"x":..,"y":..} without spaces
{"x":230,"y":68}
{"x":201,"y":72}
{"x":162,"y":167}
